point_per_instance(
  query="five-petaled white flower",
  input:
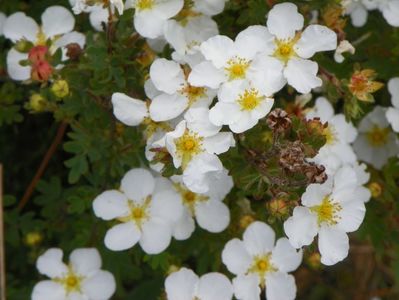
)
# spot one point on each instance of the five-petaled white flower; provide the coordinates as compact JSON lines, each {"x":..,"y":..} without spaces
{"x":82,"y":278}
{"x":330,"y":210}
{"x":39,"y":41}
{"x":186,"y":285}
{"x":146,"y":213}
{"x":289,"y":49}
{"x":376,"y":142}
{"x":260,"y":263}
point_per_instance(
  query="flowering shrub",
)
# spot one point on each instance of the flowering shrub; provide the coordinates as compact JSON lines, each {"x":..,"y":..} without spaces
{"x":200,"y":149}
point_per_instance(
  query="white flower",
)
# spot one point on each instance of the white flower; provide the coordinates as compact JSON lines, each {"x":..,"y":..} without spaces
{"x":339,"y":135}
{"x":57,"y":26}
{"x":288,"y":49}
{"x":177,"y":94}
{"x":194,"y":144}
{"x":258,"y":262}
{"x":186,"y":285}
{"x":151,"y":15}
{"x":186,"y":37}
{"x":357,"y":10}
{"x":82,"y":278}
{"x":330,"y":210}
{"x":146,"y":214}
{"x":344,"y":46}
{"x":228,"y":60}
{"x":376,"y":142}
{"x":392,"y":113}
{"x":240,"y":105}
{"x":207,"y":208}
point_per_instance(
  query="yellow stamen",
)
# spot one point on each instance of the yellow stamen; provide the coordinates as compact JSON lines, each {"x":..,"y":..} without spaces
{"x":237,"y":68}
{"x":250,"y":99}
{"x":193,"y":93}
{"x":285,"y":49}
{"x":40,"y":38}
{"x":189,"y":198}
{"x":72,"y":282}
{"x":262,"y":265}
{"x":144,"y":4}
{"x":327,"y":212}
{"x":330,"y":135}
{"x":187,"y":146}
{"x":138,"y":213}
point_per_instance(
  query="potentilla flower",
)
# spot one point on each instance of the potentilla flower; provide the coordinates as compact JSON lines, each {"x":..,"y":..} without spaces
{"x":392,"y":113}
{"x":54,"y":33}
{"x":339,"y":135}
{"x":376,"y":142}
{"x":186,"y":285}
{"x":194,"y":144}
{"x":207,"y":208}
{"x":177,"y":94}
{"x":258,"y":262}
{"x":151,"y":15}
{"x":362,"y":84}
{"x":146,"y":213}
{"x":240,"y":105}
{"x":288,"y":48}
{"x":81,"y":278}
{"x":186,"y":36}
{"x":330,"y":210}
{"x":228,"y":60}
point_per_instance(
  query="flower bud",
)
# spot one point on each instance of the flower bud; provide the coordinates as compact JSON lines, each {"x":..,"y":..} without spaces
{"x":41,"y":71}
{"x":37,"y":54}
{"x":313,"y":260}
{"x":375,"y":189}
{"x":37,"y":103}
{"x":60,"y":88}
{"x":33,"y":239}
{"x":246,"y":220}
{"x":23,"y":46}
{"x":277,"y":207}
{"x":278,"y":120}
{"x":73,"y":51}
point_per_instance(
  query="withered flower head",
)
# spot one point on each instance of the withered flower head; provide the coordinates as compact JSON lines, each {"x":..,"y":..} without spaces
{"x":278,"y":120}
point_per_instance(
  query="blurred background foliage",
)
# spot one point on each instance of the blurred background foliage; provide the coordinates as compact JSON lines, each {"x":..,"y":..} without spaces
{"x":93,"y":151}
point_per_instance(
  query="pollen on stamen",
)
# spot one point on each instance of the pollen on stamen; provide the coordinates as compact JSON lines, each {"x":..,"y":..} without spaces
{"x":377,"y":136}
{"x":250,"y":99}
{"x":327,"y":212}
{"x":144,"y":4}
{"x":187,"y":146}
{"x":237,"y":68}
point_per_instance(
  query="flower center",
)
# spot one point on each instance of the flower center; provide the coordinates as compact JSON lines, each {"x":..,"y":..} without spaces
{"x":187,"y":146}
{"x":193,"y":93}
{"x":144,"y":4}
{"x":377,"y":136}
{"x":327,"y":212}
{"x":189,"y":198}
{"x":138,"y":213}
{"x":41,"y":38}
{"x":261,"y":265}
{"x":237,"y":68}
{"x":250,"y":99}
{"x":330,"y":134}
{"x":71,"y":282}
{"x":285,"y":49}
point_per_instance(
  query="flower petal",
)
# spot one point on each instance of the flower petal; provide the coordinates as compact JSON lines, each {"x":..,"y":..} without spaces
{"x":218,"y":50}
{"x":259,"y":238}
{"x":315,"y":194}
{"x":137,"y":184}
{"x":333,"y":245}
{"x":206,"y":74}
{"x":122,"y":236}
{"x":110,"y":205}
{"x":14,"y":69}
{"x":100,"y":286}
{"x":148,"y":25}
{"x":219,"y":143}
{"x":246,"y":287}
{"x":167,"y":75}
{"x":301,"y":74}
{"x":280,"y":286}
{"x":301,"y":228}
{"x":128,"y":110}
{"x":85,"y":260}
{"x":212,"y":215}
{"x":214,"y":286}
{"x":50,"y":263}
{"x":236,"y":257}
{"x":286,"y":257}
{"x":166,"y":205}
{"x":284,"y":20}
{"x":184,"y":227}
{"x":57,"y":20}
{"x":180,"y":285}
{"x":49,"y":290}
{"x":167,"y":107}
{"x":315,"y":38}
{"x":156,"y":236}
{"x":19,"y":26}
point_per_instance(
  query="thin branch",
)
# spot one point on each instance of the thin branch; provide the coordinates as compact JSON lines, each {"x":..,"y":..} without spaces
{"x":43,"y":165}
